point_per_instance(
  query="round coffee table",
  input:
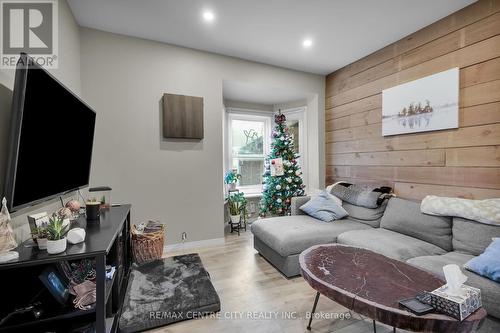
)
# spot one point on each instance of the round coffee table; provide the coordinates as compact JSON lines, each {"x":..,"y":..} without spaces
{"x":372,"y":285}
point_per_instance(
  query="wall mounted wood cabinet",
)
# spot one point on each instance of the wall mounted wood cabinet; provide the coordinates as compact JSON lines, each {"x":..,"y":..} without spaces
{"x":182,"y":117}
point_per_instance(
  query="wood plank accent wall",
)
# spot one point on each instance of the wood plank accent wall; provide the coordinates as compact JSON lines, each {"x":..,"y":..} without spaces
{"x":463,"y":162}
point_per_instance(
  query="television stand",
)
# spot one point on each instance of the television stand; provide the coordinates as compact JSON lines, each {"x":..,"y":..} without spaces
{"x":107,"y":242}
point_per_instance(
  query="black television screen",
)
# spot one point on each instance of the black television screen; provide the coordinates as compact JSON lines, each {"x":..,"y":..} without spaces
{"x":51,"y":138}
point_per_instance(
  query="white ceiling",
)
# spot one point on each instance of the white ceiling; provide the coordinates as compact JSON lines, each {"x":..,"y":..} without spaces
{"x":270,"y":31}
{"x":257,"y":93}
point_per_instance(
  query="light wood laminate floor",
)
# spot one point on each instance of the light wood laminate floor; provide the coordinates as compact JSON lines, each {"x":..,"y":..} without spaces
{"x":249,"y":288}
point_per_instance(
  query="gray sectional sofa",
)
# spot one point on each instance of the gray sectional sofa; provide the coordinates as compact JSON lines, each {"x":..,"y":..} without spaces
{"x":397,"y":229}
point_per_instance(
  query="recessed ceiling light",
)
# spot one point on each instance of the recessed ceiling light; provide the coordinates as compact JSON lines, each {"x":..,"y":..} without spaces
{"x":208,"y":16}
{"x":307,"y":43}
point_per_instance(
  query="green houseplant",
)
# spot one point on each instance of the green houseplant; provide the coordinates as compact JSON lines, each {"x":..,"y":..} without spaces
{"x":237,"y":204}
{"x":40,"y":235}
{"x":231,"y":178}
{"x":56,"y":234}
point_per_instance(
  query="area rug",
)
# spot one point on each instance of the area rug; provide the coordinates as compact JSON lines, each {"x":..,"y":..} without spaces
{"x":166,"y":291}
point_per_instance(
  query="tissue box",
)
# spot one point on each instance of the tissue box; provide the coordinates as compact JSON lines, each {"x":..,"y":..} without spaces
{"x":459,"y":307}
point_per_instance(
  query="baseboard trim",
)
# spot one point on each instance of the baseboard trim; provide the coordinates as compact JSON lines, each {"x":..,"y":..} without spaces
{"x":193,"y":245}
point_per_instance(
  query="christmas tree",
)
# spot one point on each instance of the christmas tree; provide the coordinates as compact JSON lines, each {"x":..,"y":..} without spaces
{"x":282,"y":176}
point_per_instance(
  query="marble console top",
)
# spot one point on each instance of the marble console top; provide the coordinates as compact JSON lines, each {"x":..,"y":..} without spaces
{"x":372,"y":284}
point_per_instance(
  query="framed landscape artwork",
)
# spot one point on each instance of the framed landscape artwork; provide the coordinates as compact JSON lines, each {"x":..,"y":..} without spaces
{"x":426,"y":104}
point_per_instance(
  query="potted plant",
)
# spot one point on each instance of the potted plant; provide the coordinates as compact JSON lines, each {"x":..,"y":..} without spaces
{"x":56,"y":235}
{"x":236,"y":203}
{"x":40,"y":236}
{"x":231,"y":178}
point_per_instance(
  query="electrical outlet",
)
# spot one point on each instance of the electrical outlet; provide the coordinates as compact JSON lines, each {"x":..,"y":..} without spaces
{"x":184,"y":236}
{"x":252,"y":207}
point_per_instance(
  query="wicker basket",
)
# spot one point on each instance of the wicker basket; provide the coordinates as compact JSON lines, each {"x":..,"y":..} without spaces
{"x":147,"y":246}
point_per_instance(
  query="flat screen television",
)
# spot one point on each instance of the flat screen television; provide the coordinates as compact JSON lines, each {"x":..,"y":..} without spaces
{"x":51,"y":138}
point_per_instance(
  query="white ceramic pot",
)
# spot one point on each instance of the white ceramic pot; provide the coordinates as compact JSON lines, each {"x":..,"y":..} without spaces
{"x":235,"y":219}
{"x":56,"y":246}
{"x":42,"y":243}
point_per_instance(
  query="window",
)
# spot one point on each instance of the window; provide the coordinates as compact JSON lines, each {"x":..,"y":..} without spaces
{"x":247,"y":147}
{"x":247,"y":143}
{"x":293,"y":127}
{"x":296,"y":122}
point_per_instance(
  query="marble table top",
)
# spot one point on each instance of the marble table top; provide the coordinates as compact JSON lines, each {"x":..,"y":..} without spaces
{"x":372,"y":285}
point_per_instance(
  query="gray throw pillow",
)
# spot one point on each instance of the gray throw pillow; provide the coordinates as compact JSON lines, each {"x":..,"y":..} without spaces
{"x":471,"y":236}
{"x":370,"y":216}
{"x":356,"y":195}
{"x":324,"y":207}
{"x":404,"y":216}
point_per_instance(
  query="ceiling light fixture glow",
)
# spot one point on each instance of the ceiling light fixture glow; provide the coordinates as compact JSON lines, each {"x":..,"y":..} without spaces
{"x":307,"y":43}
{"x":208,"y":16}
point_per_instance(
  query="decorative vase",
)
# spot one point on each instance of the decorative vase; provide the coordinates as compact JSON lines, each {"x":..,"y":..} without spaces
{"x":231,"y":186}
{"x":42,"y":243}
{"x":56,"y":246}
{"x":235,"y":219}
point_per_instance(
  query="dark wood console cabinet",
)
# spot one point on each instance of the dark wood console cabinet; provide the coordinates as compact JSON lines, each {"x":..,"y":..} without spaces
{"x":108,"y":242}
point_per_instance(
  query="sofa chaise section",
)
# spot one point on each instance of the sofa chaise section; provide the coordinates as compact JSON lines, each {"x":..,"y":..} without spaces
{"x":281,"y":239}
{"x":293,"y":234}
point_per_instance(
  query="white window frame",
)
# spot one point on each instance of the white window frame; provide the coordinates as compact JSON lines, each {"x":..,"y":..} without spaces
{"x":249,"y":115}
{"x":300,"y":115}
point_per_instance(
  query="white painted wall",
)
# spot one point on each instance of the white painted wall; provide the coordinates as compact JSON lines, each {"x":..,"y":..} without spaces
{"x":228,"y":103}
{"x":69,"y":74}
{"x":177,"y":182}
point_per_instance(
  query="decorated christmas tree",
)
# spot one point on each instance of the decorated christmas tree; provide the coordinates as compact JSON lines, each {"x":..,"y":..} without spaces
{"x":282,"y":175}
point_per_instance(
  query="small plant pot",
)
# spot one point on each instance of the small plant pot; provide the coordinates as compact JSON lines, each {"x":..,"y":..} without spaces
{"x":56,"y":246}
{"x":231,"y":186}
{"x":235,"y":219}
{"x":42,"y":243}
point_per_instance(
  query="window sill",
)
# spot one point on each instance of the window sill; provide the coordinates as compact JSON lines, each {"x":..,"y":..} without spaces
{"x":249,"y":196}
{"x":252,"y":195}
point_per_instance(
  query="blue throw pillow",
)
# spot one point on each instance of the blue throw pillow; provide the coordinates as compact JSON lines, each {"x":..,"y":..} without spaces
{"x":487,"y":264}
{"x":324,"y":208}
